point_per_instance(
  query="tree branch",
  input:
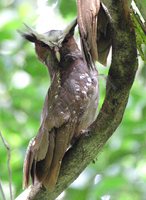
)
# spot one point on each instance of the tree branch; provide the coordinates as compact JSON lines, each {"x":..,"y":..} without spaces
{"x":120,"y":79}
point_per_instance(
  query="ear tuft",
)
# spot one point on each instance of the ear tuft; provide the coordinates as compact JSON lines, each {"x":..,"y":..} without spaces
{"x":69,"y":30}
{"x":28,"y":36}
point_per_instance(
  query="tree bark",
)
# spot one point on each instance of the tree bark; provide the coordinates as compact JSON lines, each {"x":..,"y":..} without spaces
{"x":120,"y":79}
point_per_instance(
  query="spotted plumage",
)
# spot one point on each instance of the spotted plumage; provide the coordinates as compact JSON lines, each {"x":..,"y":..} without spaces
{"x":69,"y":108}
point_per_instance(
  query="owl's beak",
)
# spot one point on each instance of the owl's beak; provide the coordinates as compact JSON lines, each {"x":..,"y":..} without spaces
{"x":57,"y":53}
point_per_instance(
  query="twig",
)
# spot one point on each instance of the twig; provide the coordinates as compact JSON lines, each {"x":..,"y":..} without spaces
{"x":142,"y":25}
{"x":2,"y":191}
{"x":8,"y":164}
{"x":141,"y":7}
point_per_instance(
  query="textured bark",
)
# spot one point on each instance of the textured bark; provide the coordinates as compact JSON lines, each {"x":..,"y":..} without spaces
{"x":120,"y":79}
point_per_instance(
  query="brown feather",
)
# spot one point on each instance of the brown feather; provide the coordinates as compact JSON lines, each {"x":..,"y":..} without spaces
{"x":27,"y":164}
{"x":43,"y":166}
{"x":62,"y":140}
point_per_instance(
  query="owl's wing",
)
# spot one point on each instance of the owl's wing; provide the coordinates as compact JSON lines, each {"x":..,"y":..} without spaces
{"x":62,"y":140}
{"x":51,"y":141}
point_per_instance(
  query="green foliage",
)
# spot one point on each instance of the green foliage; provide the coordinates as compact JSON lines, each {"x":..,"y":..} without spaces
{"x":140,"y":35}
{"x":119,"y":172}
{"x":68,"y":8}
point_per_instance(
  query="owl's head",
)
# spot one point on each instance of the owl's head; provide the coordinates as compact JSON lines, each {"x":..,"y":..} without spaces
{"x":47,"y":45}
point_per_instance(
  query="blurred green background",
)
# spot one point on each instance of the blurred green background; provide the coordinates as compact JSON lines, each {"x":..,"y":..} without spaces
{"x":119,"y":172}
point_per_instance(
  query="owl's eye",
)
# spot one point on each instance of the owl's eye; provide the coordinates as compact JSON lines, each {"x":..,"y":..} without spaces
{"x":43,"y":45}
{"x":65,"y":40}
